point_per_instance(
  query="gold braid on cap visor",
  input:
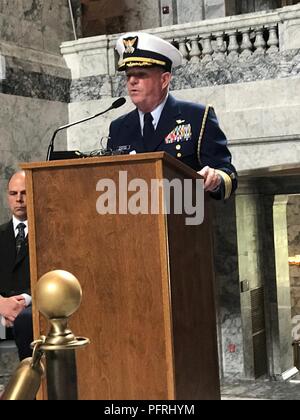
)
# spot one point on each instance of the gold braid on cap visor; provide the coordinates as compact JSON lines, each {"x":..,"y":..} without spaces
{"x":141,"y":61}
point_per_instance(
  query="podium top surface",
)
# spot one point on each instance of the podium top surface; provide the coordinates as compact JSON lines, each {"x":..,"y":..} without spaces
{"x":105,"y":160}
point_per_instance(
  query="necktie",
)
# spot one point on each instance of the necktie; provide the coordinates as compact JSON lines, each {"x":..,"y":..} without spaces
{"x":20,"y":236}
{"x":148,"y":130}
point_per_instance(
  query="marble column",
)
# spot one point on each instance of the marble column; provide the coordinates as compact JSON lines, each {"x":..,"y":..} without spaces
{"x":248,"y":216}
{"x":285,"y":362}
{"x":230,"y":331}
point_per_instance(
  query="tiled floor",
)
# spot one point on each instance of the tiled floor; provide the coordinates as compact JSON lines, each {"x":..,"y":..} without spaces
{"x":8,"y":360}
{"x":258,"y":390}
{"x":261,"y":390}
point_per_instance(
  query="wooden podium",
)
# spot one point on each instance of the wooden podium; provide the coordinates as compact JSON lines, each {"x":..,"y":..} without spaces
{"x":147,"y":279}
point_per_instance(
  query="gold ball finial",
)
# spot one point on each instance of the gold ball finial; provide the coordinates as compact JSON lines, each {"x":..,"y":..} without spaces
{"x":58,"y":294}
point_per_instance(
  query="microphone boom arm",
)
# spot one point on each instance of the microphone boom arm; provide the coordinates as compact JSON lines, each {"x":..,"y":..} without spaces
{"x":119,"y":102}
{"x":51,"y":145}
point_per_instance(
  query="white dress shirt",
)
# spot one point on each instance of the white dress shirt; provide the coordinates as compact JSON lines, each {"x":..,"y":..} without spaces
{"x":156,"y":113}
{"x":16,"y":231}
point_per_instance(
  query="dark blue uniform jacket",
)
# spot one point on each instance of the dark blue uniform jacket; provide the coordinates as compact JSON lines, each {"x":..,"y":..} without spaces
{"x":178,"y":133}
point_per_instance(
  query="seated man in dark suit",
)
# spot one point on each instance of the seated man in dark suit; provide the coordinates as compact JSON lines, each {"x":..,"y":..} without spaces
{"x":15,"y":299}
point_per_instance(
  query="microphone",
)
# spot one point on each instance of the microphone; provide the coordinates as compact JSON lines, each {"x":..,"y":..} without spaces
{"x":116,"y":104}
{"x":119,"y":102}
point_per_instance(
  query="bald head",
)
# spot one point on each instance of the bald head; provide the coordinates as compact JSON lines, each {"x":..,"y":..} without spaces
{"x":16,"y":196}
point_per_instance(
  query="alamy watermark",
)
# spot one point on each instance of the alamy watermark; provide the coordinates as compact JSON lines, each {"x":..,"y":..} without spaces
{"x":159,"y":196}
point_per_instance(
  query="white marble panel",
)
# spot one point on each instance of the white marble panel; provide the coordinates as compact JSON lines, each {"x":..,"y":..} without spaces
{"x":170,"y":18}
{"x":261,"y":94}
{"x":29,"y":23}
{"x":27,"y":126}
{"x":86,"y":57}
{"x":190,"y":10}
{"x":290,"y":34}
{"x":93,"y":63}
{"x":264,"y":155}
{"x":241,"y":124}
{"x":283,"y":121}
{"x":261,"y":122}
{"x":214,"y":9}
{"x":141,"y":14}
{"x":214,"y":95}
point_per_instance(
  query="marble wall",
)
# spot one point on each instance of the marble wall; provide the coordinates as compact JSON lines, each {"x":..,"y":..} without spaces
{"x":254,"y":99}
{"x":214,"y":9}
{"x":34,"y":82}
{"x":190,"y":11}
{"x":36,"y":24}
{"x":26,"y":127}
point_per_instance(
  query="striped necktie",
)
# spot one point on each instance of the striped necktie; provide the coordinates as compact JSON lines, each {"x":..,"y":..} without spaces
{"x":20,"y":236}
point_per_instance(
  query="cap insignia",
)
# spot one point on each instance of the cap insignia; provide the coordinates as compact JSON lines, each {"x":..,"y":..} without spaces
{"x":130,"y":45}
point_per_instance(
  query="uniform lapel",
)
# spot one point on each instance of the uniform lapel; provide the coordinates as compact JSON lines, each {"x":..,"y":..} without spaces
{"x":167,"y":122}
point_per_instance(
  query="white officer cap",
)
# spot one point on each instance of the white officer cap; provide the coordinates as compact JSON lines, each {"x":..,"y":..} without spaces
{"x":139,"y":49}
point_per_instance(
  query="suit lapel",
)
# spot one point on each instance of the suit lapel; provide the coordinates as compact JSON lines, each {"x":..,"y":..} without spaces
{"x":9,"y":245}
{"x":167,"y":122}
{"x":133,"y":132}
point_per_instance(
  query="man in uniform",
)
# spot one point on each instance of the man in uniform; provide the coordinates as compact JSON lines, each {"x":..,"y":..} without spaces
{"x":188,"y":131}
